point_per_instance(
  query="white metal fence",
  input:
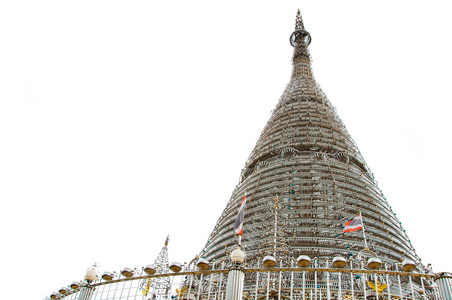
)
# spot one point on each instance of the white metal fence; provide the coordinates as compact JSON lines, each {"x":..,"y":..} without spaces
{"x":318,"y":281}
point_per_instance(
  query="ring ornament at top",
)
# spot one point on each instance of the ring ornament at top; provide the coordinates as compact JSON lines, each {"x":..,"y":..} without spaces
{"x":303,"y":33}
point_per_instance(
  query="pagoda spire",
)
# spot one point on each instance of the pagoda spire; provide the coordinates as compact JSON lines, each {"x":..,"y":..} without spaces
{"x":300,"y":39}
{"x":158,"y":288}
{"x":299,"y":21}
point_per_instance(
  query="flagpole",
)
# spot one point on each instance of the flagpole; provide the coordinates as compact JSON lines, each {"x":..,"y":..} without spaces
{"x":364,"y":231}
{"x":240,"y":237}
{"x":239,"y":221}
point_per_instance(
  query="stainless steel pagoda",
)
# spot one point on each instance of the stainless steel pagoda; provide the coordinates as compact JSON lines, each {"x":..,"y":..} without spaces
{"x":303,"y":181}
{"x":306,"y":178}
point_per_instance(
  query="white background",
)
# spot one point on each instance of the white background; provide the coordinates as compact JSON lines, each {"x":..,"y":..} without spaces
{"x":124,"y":121}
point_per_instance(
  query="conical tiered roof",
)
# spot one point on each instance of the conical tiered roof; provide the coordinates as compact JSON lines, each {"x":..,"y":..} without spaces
{"x":306,"y":158}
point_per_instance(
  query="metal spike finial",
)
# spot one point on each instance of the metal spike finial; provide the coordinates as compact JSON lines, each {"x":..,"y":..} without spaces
{"x":299,"y":21}
{"x":300,"y":33}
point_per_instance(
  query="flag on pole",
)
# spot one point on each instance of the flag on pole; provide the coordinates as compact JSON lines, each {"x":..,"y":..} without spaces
{"x":238,"y":224}
{"x":355,"y":224}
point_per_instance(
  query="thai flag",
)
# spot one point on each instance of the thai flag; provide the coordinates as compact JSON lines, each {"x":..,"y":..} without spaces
{"x":353,"y":225}
{"x":238,"y":224}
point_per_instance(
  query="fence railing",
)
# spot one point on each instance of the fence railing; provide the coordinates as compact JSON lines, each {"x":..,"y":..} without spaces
{"x":262,"y":283}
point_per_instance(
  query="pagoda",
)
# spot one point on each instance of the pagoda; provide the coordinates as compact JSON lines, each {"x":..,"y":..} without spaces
{"x":304,"y":179}
{"x":312,"y":220}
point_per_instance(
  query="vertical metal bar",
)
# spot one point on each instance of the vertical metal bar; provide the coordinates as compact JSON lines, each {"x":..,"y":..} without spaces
{"x":80,"y":293}
{"x":130,"y":288}
{"x":387,"y":282}
{"x":179,"y":295}
{"x":353,"y":285}
{"x":436,"y":292}
{"x":423,"y":289}
{"x":144,"y":289}
{"x":400,"y":285}
{"x":116,"y":288}
{"x":138,"y":288}
{"x":364,"y":277}
{"x":327,"y":282}
{"x":268,"y":284}
{"x":276,"y":227}
{"x":444,"y":288}
{"x":351,"y":280}
{"x":304,"y":284}
{"x":376,"y":285}
{"x":221,"y":280}
{"x":102,"y":293}
{"x":199,"y":285}
{"x":189,"y":287}
{"x":138,"y":285}
{"x":291,"y":283}
{"x":328,"y":285}
{"x":257,"y":282}
{"x":448,"y":287}
{"x":279,"y":289}
{"x":440,"y":288}
{"x":122,"y":290}
{"x":315,"y":280}
{"x":339,"y":296}
{"x":210,"y":282}
{"x":412,"y":289}
{"x":109,"y":288}
{"x":171,"y":286}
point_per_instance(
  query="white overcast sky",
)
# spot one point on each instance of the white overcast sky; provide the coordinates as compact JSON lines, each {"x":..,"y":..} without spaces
{"x":124,"y":121}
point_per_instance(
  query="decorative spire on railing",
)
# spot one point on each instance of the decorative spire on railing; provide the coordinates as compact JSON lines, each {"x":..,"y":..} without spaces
{"x":162,"y":262}
{"x":159,"y":287}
